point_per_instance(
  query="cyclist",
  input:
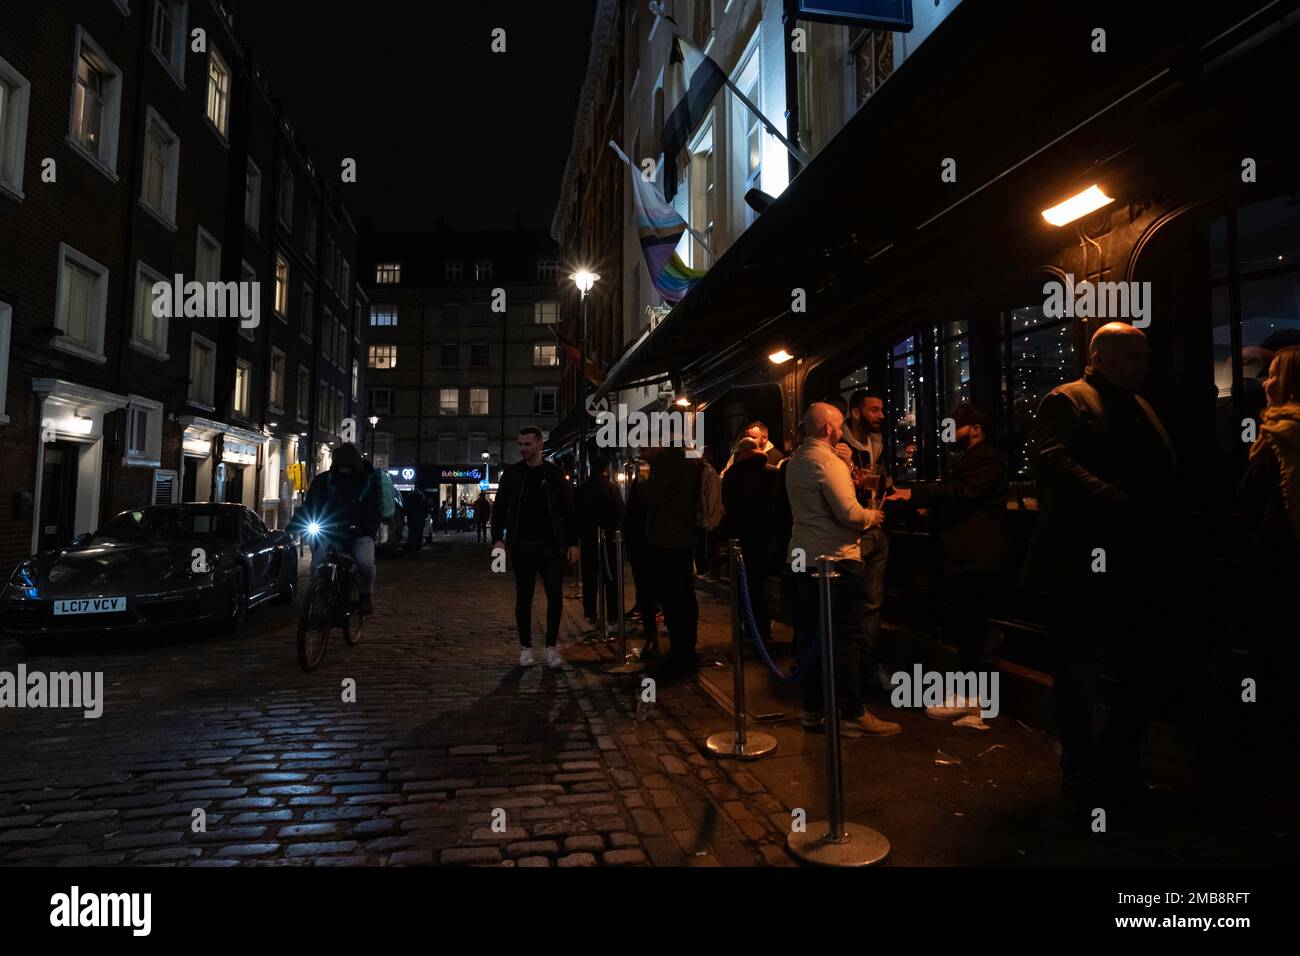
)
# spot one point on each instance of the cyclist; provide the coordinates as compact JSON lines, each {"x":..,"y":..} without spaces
{"x":346,"y":504}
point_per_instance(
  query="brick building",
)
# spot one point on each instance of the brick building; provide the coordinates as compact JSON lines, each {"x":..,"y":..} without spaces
{"x":139,"y":143}
{"x":462,"y":352}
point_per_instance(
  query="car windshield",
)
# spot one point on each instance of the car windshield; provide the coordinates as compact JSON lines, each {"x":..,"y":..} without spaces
{"x":169,"y":524}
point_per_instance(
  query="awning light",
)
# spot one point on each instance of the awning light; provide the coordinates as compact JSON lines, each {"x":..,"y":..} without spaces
{"x":1080,"y":204}
{"x":780,"y":357}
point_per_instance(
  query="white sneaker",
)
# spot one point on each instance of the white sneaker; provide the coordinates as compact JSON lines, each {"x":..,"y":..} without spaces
{"x":553,"y":659}
{"x":526,"y":657}
{"x":954,"y":707}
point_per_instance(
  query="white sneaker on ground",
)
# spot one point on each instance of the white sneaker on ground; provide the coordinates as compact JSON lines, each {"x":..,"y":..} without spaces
{"x":954,"y":707}
{"x":553,"y":659}
{"x":525,"y":657}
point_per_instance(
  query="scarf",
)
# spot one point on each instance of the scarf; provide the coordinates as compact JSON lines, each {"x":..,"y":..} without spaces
{"x":1280,"y":430}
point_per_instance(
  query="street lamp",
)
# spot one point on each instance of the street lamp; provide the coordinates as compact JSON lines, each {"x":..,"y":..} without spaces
{"x":374,"y":420}
{"x":487,"y":467}
{"x":584,"y":280}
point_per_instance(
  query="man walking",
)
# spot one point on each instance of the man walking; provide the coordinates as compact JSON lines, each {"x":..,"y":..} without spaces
{"x":600,"y":508}
{"x":829,"y":521}
{"x":482,"y":515}
{"x":1104,"y":547}
{"x":534,"y":515}
{"x":671,"y":497}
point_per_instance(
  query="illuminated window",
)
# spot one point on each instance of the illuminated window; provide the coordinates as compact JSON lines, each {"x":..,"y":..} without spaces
{"x":383,"y":356}
{"x":383,"y":315}
{"x":546,"y":355}
{"x":96,"y":102}
{"x":218,"y":111}
{"x":904,"y":396}
{"x":483,"y":270}
{"x":1037,"y":356}
{"x":388,"y":273}
{"x":281,"y":287}
{"x":478,"y":401}
{"x":449,"y":401}
{"x":243,"y":375}
{"x":546,"y":313}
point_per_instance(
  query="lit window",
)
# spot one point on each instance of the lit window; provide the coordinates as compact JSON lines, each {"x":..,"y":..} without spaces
{"x":478,"y":401}
{"x":243,"y":374}
{"x":546,"y":313}
{"x":483,"y":270}
{"x":281,"y":287}
{"x":356,"y":379}
{"x":96,"y":102}
{"x":449,"y":401}
{"x":546,"y":355}
{"x":383,"y":315}
{"x":218,"y":92}
{"x":383,"y":356}
{"x":388,"y":273}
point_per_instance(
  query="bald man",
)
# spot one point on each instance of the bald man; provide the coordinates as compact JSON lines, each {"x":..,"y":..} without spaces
{"x":828,"y":520}
{"x":1104,"y":549}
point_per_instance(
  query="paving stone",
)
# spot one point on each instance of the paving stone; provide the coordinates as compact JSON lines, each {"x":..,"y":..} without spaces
{"x":577,"y":859}
{"x":624,"y":858}
{"x":477,"y":854}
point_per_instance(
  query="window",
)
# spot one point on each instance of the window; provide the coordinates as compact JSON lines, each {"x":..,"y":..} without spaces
{"x":450,"y":355}
{"x":82,"y":304}
{"x":546,"y":313}
{"x":275,"y":388}
{"x":546,"y":355}
{"x":748,"y":150}
{"x":383,"y":315}
{"x":356,"y":379}
{"x":169,"y":36}
{"x":307,"y":317}
{"x":345,"y":282}
{"x":162,"y":152}
{"x":340,"y":345}
{"x":149,"y":331}
{"x":873,"y":56}
{"x":207,"y":257}
{"x":478,"y":401}
{"x":309,"y":227}
{"x":243,"y":375}
{"x":454,"y":270}
{"x":218,"y":111}
{"x":143,"y":432}
{"x":475,"y":447}
{"x":340,"y":411}
{"x":253,"y":197}
{"x":548,"y":270}
{"x":203,"y":364}
{"x":324,"y":407}
{"x":286,"y":195}
{"x":281,"y":287}
{"x":483,"y":270}
{"x":304,"y":393}
{"x":544,"y":400}
{"x":248,"y":275}
{"x":904,"y":399}
{"x":96,"y":103}
{"x":383,"y":356}
{"x":702,"y":195}
{"x":327,"y":332}
{"x":448,"y":448}
{"x":15,"y":93}
{"x":6,"y":334}
{"x":1037,"y":356}
{"x":478,"y":355}
{"x":327,"y":270}
{"x":388,"y":273}
{"x":953,"y":350}
{"x":380,"y":401}
{"x":449,"y":401}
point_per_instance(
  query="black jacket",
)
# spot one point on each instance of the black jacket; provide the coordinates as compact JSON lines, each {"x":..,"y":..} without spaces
{"x":599,"y":505}
{"x":1270,"y":565}
{"x":1108,"y":479}
{"x":336,"y":501}
{"x":559,"y":501}
{"x":748,"y":488}
{"x":671,"y":494}
{"x":968,"y":511}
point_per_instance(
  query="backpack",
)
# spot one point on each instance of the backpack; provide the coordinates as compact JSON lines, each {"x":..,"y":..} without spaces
{"x":708,"y":503}
{"x":388,"y":503}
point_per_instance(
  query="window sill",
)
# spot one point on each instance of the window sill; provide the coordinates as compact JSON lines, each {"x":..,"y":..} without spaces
{"x":12,"y":190}
{"x":283,"y":318}
{"x":195,"y":403}
{"x":95,"y":357}
{"x":149,"y":349}
{"x":167,"y":65}
{"x":159,"y":217}
{"x":142,"y":462}
{"x":273,"y":407}
{"x":109,"y":172}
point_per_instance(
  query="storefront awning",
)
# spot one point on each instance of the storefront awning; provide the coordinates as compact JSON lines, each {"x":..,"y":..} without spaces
{"x":1012,"y":91}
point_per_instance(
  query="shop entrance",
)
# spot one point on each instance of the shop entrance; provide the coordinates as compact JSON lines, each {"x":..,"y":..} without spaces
{"x":58,"y":495}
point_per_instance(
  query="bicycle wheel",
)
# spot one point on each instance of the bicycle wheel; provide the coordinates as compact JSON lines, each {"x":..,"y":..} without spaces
{"x":353,"y":621}
{"x":315,"y":619}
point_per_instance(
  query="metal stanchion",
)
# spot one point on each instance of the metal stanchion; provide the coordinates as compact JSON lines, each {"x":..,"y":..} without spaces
{"x":738,"y":743}
{"x":621,"y":664}
{"x":834,"y":842}
{"x":601,"y":634}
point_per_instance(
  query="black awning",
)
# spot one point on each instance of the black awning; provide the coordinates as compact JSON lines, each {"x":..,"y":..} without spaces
{"x":999,"y":85}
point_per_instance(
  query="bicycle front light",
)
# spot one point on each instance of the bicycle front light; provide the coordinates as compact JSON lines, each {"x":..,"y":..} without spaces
{"x":313,"y":528}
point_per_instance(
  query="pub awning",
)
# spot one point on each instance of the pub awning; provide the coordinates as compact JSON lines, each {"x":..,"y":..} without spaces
{"x":1012,"y":92}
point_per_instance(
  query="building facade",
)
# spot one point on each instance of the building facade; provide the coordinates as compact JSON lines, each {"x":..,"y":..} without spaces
{"x":462,"y":352}
{"x":140,"y":145}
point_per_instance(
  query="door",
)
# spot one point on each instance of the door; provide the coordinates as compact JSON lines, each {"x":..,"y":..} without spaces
{"x":232,"y":484}
{"x":190,"y":483}
{"x":58,"y":495}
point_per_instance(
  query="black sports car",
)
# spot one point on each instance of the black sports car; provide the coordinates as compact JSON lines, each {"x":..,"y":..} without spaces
{"x":163,"y":566}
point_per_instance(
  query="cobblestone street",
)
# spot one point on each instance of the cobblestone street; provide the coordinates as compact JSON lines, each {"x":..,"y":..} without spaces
{"x":446,"y":736}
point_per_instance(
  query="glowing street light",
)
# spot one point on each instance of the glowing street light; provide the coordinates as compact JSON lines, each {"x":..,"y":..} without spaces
{"x":779,"y":357}
{"x":1080,"y":204}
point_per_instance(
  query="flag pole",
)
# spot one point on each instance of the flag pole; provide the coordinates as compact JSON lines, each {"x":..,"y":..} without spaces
{"x":636,"y":172}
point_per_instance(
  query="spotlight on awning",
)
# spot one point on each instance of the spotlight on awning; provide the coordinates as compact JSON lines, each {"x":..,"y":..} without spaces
{"x":684,"y":402}
{"x":1080,"y":204}
{"x":780,"y":357}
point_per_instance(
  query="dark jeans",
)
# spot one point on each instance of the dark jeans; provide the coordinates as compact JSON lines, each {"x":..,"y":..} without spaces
{"x":591,"y":565}
{"x":1130,"y":651}
{"x":848,"y":614}
{"x":532,"y":558}
{"x":643,"y":578}
{"x":965,"y":603}
{"x":482,"y":533}
{"x":875,"y":555}
{"x":674,"y":579}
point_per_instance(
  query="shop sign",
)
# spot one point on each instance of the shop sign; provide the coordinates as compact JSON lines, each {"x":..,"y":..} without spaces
{"x":872,"y":14}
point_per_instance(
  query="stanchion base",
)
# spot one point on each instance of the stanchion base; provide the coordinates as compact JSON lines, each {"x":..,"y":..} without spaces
{"x":756,"y":745}
{"x":863,"y":846}
{"x":629,"y":668}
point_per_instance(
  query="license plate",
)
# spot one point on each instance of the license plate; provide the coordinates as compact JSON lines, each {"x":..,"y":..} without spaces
{"x":105,"y":605}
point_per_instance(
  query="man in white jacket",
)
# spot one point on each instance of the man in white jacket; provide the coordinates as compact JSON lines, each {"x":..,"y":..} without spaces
{"x":828,"y":520}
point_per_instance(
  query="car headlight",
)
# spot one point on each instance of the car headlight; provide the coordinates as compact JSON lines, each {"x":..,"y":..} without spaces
{"x":26,"y":575}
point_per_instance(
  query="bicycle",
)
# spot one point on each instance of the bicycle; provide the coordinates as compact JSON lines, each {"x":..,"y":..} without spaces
{"x":332,"y":600}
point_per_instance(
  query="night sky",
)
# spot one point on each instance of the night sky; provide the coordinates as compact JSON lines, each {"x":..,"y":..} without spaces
{"x":441,"y":127}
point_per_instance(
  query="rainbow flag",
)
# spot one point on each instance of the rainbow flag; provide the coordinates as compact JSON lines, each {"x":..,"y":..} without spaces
{"x":659,"y":228}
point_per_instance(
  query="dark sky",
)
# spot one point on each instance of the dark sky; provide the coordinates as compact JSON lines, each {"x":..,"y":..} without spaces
{"x":440,"y":126}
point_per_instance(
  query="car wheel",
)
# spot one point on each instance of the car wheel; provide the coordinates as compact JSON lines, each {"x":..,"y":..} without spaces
{"x":236,"y":607}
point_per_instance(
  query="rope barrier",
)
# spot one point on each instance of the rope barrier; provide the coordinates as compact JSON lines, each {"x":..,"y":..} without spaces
{"x":604,"y":561}
{"x":751,"y":627}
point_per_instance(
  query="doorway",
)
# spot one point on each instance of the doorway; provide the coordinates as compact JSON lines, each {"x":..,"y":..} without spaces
{"x":58,"y":495}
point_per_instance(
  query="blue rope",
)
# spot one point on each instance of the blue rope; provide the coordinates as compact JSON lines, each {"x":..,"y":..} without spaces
{"x":751,"y":626}
{"x":604,"y":560}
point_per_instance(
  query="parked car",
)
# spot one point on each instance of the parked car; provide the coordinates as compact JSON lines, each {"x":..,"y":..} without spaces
{"x":164,"y":566}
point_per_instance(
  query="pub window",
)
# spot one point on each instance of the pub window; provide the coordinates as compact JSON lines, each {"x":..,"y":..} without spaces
{"x":1037,"y":356}
{"x":904,"y":398}
{"x":952,"y":349}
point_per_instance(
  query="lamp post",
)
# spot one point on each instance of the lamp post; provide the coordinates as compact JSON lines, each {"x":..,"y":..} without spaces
{"x":487,"y":467}
{"x":584,"y":280}
{"x":374,"y":420}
